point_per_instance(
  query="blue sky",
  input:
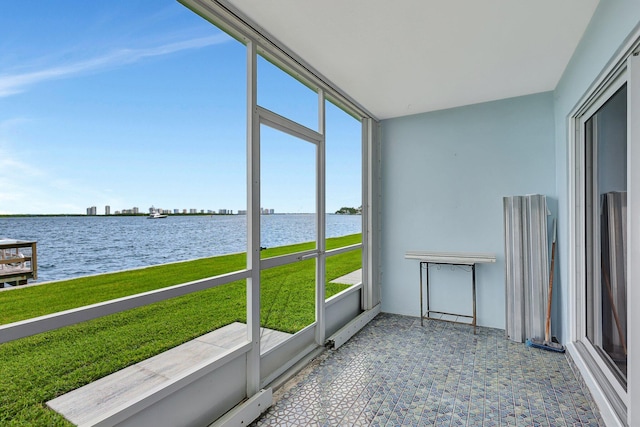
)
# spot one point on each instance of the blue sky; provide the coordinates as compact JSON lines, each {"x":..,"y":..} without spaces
{"x":140,"y":103}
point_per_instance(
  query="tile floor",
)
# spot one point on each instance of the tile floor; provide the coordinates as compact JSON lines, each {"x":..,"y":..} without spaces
{"x":395,"y":373}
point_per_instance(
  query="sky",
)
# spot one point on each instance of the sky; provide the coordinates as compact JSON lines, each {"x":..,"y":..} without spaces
{"x":134,"y":103}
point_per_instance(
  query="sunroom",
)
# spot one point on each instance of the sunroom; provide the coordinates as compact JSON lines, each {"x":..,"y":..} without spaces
{"x":455,"y":107}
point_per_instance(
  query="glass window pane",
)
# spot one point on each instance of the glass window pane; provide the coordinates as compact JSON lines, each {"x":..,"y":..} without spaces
{"x":606,"y":233}
{"x":343,"y":173}
{"x":44,"y":366}
{"x":286,"y":96}
{"x":135,"y":106}
{"x":287,"y":296}
{"x":147,"y":111}
{"x":67,"y":294}
{"x":343,"y":270}
{"x":288,"y":191}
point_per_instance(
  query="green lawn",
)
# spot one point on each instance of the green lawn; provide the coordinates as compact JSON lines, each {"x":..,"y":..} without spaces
{"x":36,"y":369}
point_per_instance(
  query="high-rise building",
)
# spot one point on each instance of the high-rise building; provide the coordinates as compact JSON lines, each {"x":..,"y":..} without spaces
{"x":92,"y":210}
{"x":107,"y":210}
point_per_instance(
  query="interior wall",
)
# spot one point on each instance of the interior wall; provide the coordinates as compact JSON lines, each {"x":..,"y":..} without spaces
{"x":444,"y":176}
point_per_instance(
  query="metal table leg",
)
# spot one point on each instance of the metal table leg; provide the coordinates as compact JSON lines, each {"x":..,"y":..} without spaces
{"x":425,"y":282}
{"x":421,"y":312}
{"x":428,"y":301}
{"x":473,"y":284}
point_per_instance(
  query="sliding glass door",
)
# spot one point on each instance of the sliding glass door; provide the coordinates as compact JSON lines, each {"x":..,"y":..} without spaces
{"x":605,"y":166}
{"x":605,"y":240}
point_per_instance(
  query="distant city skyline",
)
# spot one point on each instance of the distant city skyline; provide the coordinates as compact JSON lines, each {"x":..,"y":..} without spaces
{"x":135,"y":103}
{"x":135,"y":210}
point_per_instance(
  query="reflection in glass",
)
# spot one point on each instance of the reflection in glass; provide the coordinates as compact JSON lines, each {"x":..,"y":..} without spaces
{"x":606,"y":231}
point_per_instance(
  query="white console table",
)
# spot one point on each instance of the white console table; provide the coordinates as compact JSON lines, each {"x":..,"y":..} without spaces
{"x":448,"y":258}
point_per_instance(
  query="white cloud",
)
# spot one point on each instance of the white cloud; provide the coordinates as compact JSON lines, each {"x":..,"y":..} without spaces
{"x":11,"y":84}
{"x":11,"y":166}
{"x":31,"y":188}
{"x":12,"y":123}
{"x":18,"y":182}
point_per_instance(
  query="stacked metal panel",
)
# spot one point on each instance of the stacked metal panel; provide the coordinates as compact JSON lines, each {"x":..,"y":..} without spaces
{"x":526,"y":265}
{"x":614,"y":271}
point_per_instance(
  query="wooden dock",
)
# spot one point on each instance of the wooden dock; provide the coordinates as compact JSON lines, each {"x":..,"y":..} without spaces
{"x":18,"y":262}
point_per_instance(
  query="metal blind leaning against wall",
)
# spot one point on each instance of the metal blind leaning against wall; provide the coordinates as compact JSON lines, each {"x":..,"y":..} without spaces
{"x":526,"y":266}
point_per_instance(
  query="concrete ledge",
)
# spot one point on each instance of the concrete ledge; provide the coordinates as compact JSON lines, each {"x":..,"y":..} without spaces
{"x":93,"y":401}
{"x":353,"y":278}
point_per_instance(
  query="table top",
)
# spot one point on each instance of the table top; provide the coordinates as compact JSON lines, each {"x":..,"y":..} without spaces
{"x":465,"y":258}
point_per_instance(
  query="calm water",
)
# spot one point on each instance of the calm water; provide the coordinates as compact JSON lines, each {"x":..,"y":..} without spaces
{"x":78,"y":246}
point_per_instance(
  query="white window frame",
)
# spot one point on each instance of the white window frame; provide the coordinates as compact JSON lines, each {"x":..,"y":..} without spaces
{"x":225,"y":16}
{"x":221,"y":14}
{"x":255,"y":43}
{"x":578,"y":145}
{"x":615,"y":402}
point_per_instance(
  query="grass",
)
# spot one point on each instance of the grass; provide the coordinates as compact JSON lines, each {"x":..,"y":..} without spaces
{"x":36,"y":369}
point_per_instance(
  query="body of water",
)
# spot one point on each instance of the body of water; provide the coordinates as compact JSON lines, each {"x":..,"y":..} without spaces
{"x":82,"y":245}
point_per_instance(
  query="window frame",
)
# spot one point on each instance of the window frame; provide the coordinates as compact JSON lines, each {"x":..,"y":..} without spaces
{"x":605,"y":385}
{"x":584,"y":272}
{"x":221,"y":15}
{"x":226,"y":17}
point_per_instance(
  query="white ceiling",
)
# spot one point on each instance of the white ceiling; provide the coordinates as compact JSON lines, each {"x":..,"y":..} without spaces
{"x":410,"y":56}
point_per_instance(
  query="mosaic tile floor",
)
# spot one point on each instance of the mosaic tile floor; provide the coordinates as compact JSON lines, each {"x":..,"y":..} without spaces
{"x":396,"y":373}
